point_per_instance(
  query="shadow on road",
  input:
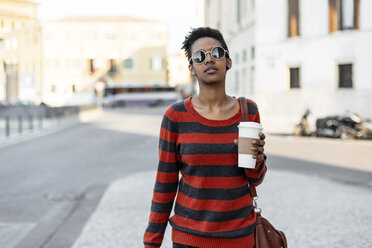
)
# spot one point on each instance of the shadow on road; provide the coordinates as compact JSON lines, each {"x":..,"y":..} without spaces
{"x":341,"y":174}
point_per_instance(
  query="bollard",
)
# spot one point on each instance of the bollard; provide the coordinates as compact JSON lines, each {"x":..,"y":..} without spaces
{"x":40,"y":121}
{"x":7,"y":127}
{"x":20,"y":127}
{"x":31,"y":122}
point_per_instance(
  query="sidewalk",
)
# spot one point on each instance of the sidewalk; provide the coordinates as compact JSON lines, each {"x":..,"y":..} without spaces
{"x":312,"y":211}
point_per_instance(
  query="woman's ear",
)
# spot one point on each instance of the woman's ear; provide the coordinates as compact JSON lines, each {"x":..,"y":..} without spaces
{"x":228,"y":64}
{"x":192,"y":70}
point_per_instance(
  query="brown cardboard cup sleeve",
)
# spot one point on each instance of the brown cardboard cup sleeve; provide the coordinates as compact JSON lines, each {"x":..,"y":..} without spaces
{"x":244,"y":146}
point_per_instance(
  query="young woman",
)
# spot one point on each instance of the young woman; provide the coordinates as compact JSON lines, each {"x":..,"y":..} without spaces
{"x":198,"y":140}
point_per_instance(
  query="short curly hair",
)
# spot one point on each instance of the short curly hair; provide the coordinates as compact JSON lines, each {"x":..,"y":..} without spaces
{"x":201,"y":32}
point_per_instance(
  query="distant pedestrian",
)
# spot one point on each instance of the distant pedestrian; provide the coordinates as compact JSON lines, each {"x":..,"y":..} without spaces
{"x":213,"y":208}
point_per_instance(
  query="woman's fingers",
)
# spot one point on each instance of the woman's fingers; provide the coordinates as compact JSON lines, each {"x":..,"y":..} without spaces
{"x":257,"y":146}
{"x":259,"y":158}
{"x":259,"y":149}
{"x":258,"y":142}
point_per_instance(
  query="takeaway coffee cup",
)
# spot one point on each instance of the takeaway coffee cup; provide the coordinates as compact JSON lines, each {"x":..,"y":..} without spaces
{"x":247,"y":132}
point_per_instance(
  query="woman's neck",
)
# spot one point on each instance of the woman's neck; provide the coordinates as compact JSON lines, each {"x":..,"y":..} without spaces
{"x":215,"y":105}
{"x":213,"y":95}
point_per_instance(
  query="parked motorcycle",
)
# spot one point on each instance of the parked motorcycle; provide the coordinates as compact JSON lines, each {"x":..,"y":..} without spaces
{"x":346,"y":126}
{"x":328,"y":127}
{"x":303,"y":128}
{"x":354,"y":127}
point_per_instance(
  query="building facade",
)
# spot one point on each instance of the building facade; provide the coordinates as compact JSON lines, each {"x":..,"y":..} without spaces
{"x":20,"y":51}
{"x":79,"y":51}
{"x":290,"y":55}
{"x":58,"y":62}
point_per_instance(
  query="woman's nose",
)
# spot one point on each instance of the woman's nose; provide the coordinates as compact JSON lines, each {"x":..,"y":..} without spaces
{"x":208,"y":57}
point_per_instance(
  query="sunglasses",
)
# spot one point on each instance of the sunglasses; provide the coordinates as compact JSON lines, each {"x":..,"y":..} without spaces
{"x":217,"y":53}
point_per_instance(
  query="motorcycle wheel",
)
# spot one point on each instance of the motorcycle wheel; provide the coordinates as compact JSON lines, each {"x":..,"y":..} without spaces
{"x":318,"y":132}
{"x":345,"y":135}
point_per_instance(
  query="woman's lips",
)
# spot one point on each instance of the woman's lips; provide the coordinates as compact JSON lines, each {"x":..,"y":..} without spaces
{"x":210,"y":70}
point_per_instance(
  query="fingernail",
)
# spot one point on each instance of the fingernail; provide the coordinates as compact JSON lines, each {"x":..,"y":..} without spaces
{"x":253,"y":148}
{"x":254,"y":141}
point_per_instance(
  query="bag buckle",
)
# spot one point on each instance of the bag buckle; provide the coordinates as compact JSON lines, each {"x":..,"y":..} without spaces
{"x":255,"y":205}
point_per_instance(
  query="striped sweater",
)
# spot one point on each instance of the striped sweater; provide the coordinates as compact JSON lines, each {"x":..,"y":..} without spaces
{"x":213,"y":207}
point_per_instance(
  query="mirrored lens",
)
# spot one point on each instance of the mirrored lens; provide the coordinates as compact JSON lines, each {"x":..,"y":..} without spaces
{"x":217,"y":53}
{"x":198,"y":57}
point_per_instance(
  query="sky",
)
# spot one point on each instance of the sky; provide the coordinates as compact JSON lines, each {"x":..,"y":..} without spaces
{"x":180,"y":15}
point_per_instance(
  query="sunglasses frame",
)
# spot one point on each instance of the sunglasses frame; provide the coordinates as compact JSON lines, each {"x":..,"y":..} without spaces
{"x":210,"y":52}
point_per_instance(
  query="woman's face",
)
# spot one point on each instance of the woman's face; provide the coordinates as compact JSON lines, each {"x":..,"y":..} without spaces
{"x":211,"y":70}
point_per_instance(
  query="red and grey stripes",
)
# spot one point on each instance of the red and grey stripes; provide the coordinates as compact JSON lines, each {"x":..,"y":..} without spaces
{"x":213,"y":197}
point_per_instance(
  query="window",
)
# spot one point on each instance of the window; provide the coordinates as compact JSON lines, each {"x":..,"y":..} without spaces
{"x":128,"y":64}
{"x":236,"y":86}
{"x":8,"y":44}
{"x":244,"y":56}
{"x":68,"y":63}
{"x":238,"y":11}
{"x":156,"y":62}
{"x":70,"y":35}
{"x":112,"y":66}
{"x":73,"y":88}
{"x":241,"y":10}
{"x":91,"y":63}
{"x":156,"y":35}
{"x":343,"y":15}
{"x":14,"y":43}
{"x":294,"y":77}
{"x":56,"y":63}
{"x":252,"y":53}
{"x":293,"y":18}
{"x":244,"y":81}
{"x":92,"y":36}
{"x":345,"y":76}
{"x":252,"y":80}
{"x":2,"y":24}
{"x":111,"y":35}
{"x":76,"y":62}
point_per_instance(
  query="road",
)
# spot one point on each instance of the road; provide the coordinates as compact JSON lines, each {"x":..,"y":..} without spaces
{"x":50,"y":185}
{"x":43,"y":180}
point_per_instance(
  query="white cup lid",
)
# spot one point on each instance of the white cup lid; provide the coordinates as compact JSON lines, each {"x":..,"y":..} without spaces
{"x":250,"y":124}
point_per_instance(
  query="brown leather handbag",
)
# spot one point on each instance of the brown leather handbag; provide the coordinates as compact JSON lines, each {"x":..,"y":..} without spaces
{"x":266,"y":235}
